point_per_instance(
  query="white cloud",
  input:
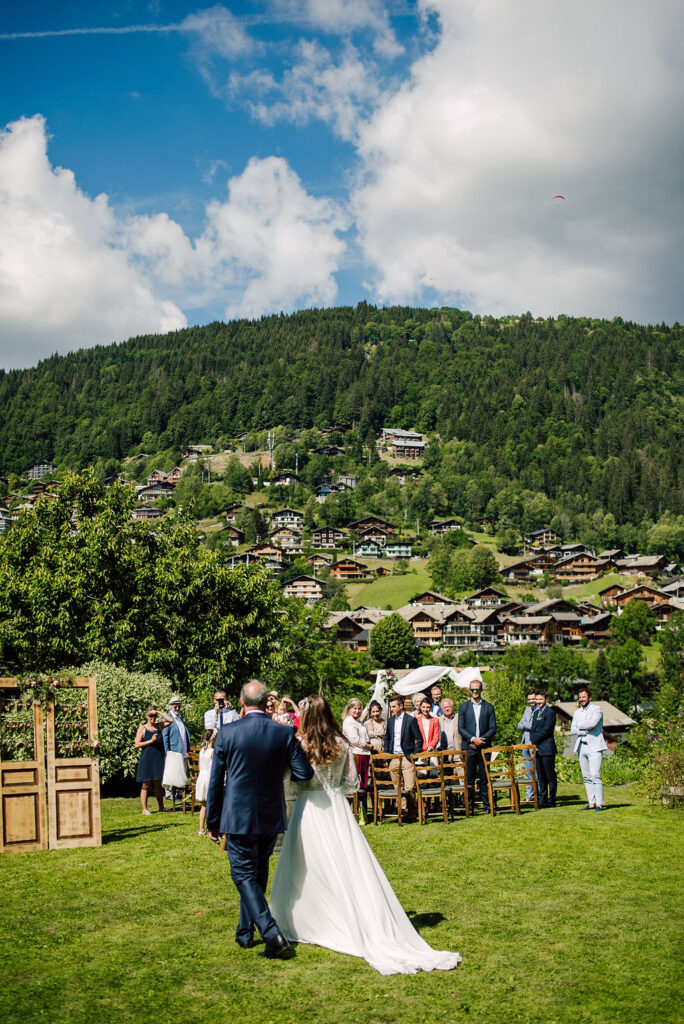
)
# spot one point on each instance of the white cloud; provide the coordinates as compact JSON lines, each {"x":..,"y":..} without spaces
{"x":74,"y":272}
{"x":519,"y":102}
{"x":315,"y":87}
{"x":65,"y":277}
{"x":219,"y":32}
{"x":342,"y":17}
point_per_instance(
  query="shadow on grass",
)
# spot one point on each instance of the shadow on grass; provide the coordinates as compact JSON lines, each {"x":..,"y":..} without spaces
{"x":424,"y":920}
{"x":121,"y":834}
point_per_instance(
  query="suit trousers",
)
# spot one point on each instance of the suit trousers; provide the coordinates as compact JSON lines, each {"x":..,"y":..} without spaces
{"x":547,"y":779}
{"x":402,"y":766}
{"x":529,"y":772}
{"x":476,"y":767}
{"x":249,"y":856}
{"x":590,"y":766}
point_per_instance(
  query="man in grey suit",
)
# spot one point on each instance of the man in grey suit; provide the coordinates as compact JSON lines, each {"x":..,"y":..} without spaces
{"x":477,"y":726}
{"x":524,"y":725}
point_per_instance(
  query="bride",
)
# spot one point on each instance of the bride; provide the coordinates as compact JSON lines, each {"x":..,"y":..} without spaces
{"x":325,"y":857}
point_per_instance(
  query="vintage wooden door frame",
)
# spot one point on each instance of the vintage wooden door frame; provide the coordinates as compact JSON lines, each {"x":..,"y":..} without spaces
{"x":23,"y":814}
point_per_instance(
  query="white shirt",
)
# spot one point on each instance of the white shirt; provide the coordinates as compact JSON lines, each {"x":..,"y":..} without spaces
{"x":477,"y":708}
{"x":398,"y":722}
{"x":587,"y":725}
{"x":449,"y":728}
{"x":214,"y":719}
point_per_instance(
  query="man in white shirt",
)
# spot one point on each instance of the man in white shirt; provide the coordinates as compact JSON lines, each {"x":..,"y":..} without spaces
{"x":587,"y":725}
{"x":221,"y":714}
{"x":403,"y":738}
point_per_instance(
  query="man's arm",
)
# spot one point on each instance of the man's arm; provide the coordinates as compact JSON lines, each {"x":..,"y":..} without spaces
{"x":543,"y":726}
{"x":463,"y":731}
{"x":387,"y":741}
{"x":299,"y":763}
{"x":216,"y":786}
{"x":417,"y":736}
{"x":166,"y":737}
{"x":490,"y":731}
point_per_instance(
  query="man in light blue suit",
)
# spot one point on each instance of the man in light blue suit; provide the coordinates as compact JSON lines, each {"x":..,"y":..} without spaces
{"x":524,"y":725}
{"x":176,"y":744}
{"x":587,"y":725}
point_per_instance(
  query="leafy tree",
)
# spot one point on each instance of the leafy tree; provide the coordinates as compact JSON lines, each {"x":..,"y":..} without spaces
{"x":392,"y":642}
{"x":483,"y":567}
{"x":79,"y":580}
{"x":626,"y":665}
{"x":602,"y":679}
{"x":637,"y":622}
{"x":672,"y":653}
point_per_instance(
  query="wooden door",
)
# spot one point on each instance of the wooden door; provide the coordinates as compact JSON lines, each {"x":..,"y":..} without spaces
{"x":73,"y":779}
{"x":23,"y":820}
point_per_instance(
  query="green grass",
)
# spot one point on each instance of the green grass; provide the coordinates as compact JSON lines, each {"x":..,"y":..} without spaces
{"x":560,"y":916}
{"x":394,"y":591}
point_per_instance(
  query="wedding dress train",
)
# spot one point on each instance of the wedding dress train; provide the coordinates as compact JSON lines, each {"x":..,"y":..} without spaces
{"x":329,"y":889}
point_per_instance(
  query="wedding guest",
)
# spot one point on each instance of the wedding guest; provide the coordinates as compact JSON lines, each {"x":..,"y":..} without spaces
{"x":355,"y":732}
{"x":222,"y":712}
{"x":206,"y":756}
{"x":148,"y":739}
{"x":176,"y":745}
{"x":417,"y":700}
{"x":541,"y":734}
{"x":376,"y":726}
{"x":587,"y":725}
{"x":477,"y":726}
{"x":448,"y":725}
{"x":436,"y":700}
{"x":428,"y":725}
{"x":271,"y":703}
{"x":403,"y":738}
{"x":286,"y":711}
{"x":524,"y":725}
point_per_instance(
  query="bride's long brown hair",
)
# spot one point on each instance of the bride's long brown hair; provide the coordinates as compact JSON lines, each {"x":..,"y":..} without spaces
{"x":320,"y":734}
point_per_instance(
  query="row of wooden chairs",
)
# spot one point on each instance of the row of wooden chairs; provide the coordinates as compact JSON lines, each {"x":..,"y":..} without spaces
{"x":441,"y":776}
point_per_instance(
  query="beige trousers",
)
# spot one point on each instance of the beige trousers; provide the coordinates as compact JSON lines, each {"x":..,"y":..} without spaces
{"x":402,"y":766}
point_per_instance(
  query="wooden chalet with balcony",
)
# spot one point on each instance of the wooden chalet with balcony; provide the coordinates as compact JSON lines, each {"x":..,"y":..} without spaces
{"x":530,"y":629}
{"x":233,"y":511}
{"x":528,"y":568}
{"x":643,"y":565}
{"x":369,"y":549}
{"x":319,"y":562}
{"x":288,"y":539}
{"x":370,"y":523}
{"x":288,"y":517}
{"x":608,"y":595}
{"x":580,"y":567}
{"x":147,"y":513}
{"x":471,"y":627}
{"x":235,"y":536}
{"x":349,"y":569}
{"x":543,"y":538}
{"x":431,"y":597}
{"x":407,"y":449}
{"x":488,"y":597}
{"x":642,"y":592}
{"x":438,"y":527}
{"x":306,"y":588}
{"x":427,"y":621}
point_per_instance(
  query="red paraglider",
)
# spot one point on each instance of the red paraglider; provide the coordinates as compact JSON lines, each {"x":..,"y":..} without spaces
{"x":559,"y":197}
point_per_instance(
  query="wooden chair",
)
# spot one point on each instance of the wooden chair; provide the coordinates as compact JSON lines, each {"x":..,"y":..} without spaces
{"x":384,"y":787}
{"x":500,"y":776}
{"x":353,"y":799}
{"x":193,"y":772}
{"x":455,"y":773}
{"x":429,"y":785}
{"x":524,"y":759}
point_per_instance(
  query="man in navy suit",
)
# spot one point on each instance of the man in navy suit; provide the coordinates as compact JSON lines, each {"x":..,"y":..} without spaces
{"x":477,"y":726}
{"x":246,"y":803}
{"x":542,"y":735}
{"x":403,"y":738}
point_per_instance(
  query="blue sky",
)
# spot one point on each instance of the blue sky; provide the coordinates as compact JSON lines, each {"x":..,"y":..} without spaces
{"x":165,"y":163}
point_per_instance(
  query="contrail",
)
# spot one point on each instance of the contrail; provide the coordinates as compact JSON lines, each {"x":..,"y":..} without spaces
{"x":94,"y":31}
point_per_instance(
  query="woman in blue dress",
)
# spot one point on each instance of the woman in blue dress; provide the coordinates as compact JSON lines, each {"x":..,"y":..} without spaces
{"x":148,"y":739}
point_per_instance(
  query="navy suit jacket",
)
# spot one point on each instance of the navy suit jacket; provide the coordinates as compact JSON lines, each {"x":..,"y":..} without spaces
{"x":467,"y":725}
{"x":411,"y":736}
{"x":251,"y":756}
{"x":542,"y":731}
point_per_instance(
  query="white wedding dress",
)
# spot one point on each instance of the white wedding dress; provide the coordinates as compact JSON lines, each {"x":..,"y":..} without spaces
{"x":329,"y":889}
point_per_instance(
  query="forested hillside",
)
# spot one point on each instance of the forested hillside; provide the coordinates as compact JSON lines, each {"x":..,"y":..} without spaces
{"x":588,"y":412}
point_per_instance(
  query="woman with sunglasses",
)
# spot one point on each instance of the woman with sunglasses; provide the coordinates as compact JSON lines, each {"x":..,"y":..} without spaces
{"x":148,"y":739}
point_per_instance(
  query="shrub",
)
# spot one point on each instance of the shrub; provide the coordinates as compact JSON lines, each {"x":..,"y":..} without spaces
{"x":123,"y":697}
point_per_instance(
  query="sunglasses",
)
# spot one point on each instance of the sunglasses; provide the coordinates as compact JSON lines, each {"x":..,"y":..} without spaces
{"x":475,"y":691}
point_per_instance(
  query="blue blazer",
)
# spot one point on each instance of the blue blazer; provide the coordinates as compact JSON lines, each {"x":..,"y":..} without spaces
{"x":251,"y":756}
{"x":172,"y":738}
{"x":542,"y":731}
{"x":411,"y":736}
{"x":467,"y":725}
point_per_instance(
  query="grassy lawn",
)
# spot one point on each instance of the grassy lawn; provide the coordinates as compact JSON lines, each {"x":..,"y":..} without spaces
{"x":560,"y":916}
{"x":394,"y":591}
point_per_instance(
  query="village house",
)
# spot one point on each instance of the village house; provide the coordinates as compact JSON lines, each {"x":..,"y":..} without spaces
{"x":643,"y":565}
{"x":381,"y":570}
{"x":348,"y":632}
{"x":232,"y":512}
{"x":596,"y":627}
{"x":528,"y":568}
{"x":319,"y":562}
{"x":349,"y":569}
{"x":368,"y":549}
{"x":642,"y":592}
{"x":531,"y":629}
{"x":391,"y":434}
{"x":398,"y":549}
{"x":543,"y":538}
{"x":5,"y":522}
{"x":175,"y":474}
{"x":488,"y":597}
{"x":348,"y":480}
{"x":146,"y":513}
{"x":375,"y":534}
{"x":471,"y":627}
{"x":326,"y":537}
{"x":438,"y":527}
{"x":306,"y":588}
{"x":369,"y":522}
{"x":235,"y":536}
{"x":331,"y":451}
{"x":408,"y":449}
{"x":285,"y":480}
{"x":580,"y":567}
{"x":674,"y":589}
{"x":40,"y":470}
{"x":287,"y":517}
{"x":288,"y":539}
{"x":270,"y":552}
{"x":159,"y":489}
{"x":608,"y":594}
{"x":427,"y":621}
{"x":196,"y":451}
{"x":431,"y":597}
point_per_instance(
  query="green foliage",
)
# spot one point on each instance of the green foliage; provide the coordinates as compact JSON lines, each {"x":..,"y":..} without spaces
{"x":392,"y":643}
{"x":626,"y":664}
{"x":672,"y":654}
{"x":455,"y":570}
{"x":637,"y":622}
{"x":506,"y":689}
{"x":144,"y":596}
{"x":123,"y":697}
